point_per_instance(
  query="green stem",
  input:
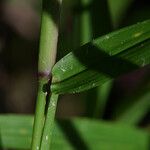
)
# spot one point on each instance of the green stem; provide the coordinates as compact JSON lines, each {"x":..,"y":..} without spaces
{"x":49,"y":123}
{"x":47,"y":56}
{"x":39,"y":116}
{"x":103,"y":93}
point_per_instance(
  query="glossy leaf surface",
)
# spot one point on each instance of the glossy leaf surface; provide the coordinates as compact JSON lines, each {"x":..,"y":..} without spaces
{"x":105,"y":58}
{"x":73,"y":134}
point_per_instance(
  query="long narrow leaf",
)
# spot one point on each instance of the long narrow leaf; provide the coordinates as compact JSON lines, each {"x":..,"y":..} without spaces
{"x":118,"y":10}
{"x":136,"y":110}
{"x":103,"y":59}
{"x":16,"y":131}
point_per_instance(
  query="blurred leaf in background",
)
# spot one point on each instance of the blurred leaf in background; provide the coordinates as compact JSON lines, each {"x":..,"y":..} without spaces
{"x":74,"y":134}
{"x":124,"y":103}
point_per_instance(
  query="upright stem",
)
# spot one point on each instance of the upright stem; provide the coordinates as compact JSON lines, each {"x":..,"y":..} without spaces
{"x":47,"y":55}
{"x":102,"y":96}
{"x":49,"y":123}
{"x":39,"y":116}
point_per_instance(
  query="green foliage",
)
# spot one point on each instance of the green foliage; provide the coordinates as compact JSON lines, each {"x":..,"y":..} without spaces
{"x":118,"y":10}
{"x":75,"y":133}
{"x":136,"y":106}
{"x":95,"y":64}
{"x":47,"y":56}
{"x":103,"y":59}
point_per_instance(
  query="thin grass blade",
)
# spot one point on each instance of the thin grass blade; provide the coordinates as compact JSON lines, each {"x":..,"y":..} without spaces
{"x":103,"y":59}
{"x":16,"y":132}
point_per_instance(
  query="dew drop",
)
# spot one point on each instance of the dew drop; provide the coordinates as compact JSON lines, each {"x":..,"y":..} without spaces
{"x":62,"y":60}
{"x":107,"y":37}
{"x":37,"y":147}
{"x":79,"y":87}
{"x":122,"y":42}
{"x":93,"y":85}
{"x":53,"y":104}
{"x":46,"y":137}
{"x":110,"y":53}
{"x":75,"y":91}
{"x":143,"y":62}
{"x":45,"y":93}
{"x":137,"y":34}
{"x":63,"y":69}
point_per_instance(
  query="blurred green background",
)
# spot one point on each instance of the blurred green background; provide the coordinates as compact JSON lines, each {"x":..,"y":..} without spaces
{"x":19,"y":38}
{"x":126,"y":100}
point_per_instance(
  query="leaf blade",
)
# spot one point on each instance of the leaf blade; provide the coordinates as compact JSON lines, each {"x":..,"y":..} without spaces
{"x":117,"y":135}
{"x":117,"y":47}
